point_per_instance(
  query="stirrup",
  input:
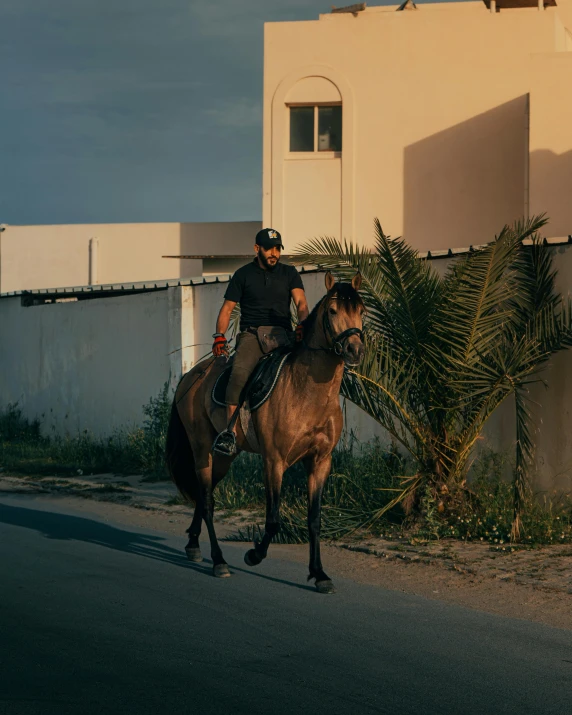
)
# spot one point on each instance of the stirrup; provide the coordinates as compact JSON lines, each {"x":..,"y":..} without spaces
{"x":225,"y":443}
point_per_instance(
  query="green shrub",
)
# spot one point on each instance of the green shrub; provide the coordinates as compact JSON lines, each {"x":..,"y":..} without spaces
{"x":365,"y":480}
{"x":23,"y":450}
{"x":149,"y":442}
{"x":487,"y":511}
{"x":16,"y":428}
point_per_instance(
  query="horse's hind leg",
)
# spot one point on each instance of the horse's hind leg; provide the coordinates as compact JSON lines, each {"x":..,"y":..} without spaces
{"x":208,"y":477}
{"x":220,"y":567}
{"x":318,"y":472}
{"x":192,"y":549}
{"x":273,"y":483}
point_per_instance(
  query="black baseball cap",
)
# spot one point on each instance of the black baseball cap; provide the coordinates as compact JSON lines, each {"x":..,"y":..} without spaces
{"x":268,"y":238}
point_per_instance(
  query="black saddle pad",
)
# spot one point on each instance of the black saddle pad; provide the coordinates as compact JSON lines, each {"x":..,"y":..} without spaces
{"x":261,"y":382}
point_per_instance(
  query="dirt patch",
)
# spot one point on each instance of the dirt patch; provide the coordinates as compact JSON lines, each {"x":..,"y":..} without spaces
{"x":534,"y":584}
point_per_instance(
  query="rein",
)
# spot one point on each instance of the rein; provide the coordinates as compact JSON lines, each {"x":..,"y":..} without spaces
{"x":338,"y":341}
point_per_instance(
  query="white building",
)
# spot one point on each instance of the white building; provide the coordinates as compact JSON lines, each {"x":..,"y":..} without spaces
{"x":34,"y":257}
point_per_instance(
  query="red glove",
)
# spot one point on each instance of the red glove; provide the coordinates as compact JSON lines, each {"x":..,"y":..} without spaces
{"x":299,"y":333}
{"x":220,"y":346}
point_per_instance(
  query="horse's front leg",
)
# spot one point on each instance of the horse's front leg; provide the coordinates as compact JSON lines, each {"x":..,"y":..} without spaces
{"x":273,"y":472}
{"x":318,"y":472}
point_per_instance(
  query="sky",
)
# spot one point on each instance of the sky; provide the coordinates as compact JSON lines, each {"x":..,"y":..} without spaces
{"x":134,"y":110}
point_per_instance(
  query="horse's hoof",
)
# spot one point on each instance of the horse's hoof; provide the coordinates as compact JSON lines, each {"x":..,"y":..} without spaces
{"x":193,"y":553}
{"x":221,"y":571}
{"x":251,"y":558}
{"x":325,"y":586}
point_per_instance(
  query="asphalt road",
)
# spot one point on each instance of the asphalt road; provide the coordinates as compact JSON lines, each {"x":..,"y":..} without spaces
{"x":96,"y":617}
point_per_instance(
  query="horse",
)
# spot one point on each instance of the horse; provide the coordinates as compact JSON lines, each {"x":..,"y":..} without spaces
{"x":301,"y":421}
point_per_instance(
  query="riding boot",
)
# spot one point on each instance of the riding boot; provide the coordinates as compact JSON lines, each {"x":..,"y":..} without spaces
{"x":225,"y":443}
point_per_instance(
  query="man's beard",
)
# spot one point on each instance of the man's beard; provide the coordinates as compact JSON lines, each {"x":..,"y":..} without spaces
{"x":265,"y":263}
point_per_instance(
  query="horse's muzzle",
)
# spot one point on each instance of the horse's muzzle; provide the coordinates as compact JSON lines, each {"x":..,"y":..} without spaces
{"x":353,"y":352}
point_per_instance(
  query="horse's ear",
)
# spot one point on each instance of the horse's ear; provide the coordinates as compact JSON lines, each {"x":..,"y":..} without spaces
{"x":356,"y":281}
{"x":330,"y":281}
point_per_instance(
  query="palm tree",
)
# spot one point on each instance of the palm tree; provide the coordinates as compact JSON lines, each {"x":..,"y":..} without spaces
{"x":443,"y":353}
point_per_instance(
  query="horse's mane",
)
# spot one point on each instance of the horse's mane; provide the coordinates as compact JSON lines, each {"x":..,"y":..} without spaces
{"x":343,"y":291}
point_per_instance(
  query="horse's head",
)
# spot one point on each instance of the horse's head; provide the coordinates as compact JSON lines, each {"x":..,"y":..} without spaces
{"x":342,"y":315}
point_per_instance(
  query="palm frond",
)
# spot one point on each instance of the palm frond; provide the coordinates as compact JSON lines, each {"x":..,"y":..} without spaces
{"x":483,"y":387}
{"x":234,"y":322}
{"x":534,"y":279}
{"x":551,"y":326}
{"x":475,"y":288}
{"x":478,"y":293}
{"x":398,"y":288}
{"x":344,"y":260}
{"x":383,"y":401}
{"x":412,"y":486}
{"x":412,"y":288}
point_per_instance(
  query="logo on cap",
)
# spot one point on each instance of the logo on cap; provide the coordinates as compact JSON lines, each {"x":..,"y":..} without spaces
{"x":272,"y":234}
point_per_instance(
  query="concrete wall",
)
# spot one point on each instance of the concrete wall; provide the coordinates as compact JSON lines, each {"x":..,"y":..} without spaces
{"x":435,"y":122}
{"x":59,"y":256}
{"x":552,"y":404}
{"x":84,"y":365}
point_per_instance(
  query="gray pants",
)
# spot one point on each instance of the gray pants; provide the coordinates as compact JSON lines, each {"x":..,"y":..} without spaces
{"x":248,"y":353}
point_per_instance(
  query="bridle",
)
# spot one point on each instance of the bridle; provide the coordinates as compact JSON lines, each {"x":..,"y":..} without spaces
{"x":338,"y":341}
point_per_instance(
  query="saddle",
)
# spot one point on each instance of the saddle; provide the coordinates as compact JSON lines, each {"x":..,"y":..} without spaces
{"x":260,"y":383}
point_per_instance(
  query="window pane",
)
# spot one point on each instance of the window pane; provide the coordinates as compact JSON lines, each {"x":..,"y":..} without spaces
{"x":329,"y":128}
{"x":301,"y":128}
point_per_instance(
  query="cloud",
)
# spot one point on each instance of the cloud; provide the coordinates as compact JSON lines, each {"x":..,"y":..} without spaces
{"x":97,"y":86}
{"x":127,"y":110}
{"x":242,"y":113}
{"x":235,"y":19}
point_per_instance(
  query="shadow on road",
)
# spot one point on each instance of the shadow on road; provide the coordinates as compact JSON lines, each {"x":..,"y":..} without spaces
{"x":54,"y":525}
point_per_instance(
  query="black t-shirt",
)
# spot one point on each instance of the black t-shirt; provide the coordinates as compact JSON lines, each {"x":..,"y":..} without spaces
{"x":264,"y":296}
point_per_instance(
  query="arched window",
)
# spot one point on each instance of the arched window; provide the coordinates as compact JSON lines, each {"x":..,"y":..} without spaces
{"x":317,"y":128}
{"x":315,"y":116}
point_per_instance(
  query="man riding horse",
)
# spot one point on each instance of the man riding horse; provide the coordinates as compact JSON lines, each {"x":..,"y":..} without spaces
{"x":300,"y":421}
{"x":263,"y":288}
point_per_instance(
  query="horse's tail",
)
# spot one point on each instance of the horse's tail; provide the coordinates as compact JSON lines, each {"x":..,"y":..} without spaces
{"x":180,"y":459}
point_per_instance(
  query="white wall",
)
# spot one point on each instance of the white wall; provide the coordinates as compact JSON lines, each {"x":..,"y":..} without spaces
{"x":85,"y":365}
{"x":34,"y":257}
